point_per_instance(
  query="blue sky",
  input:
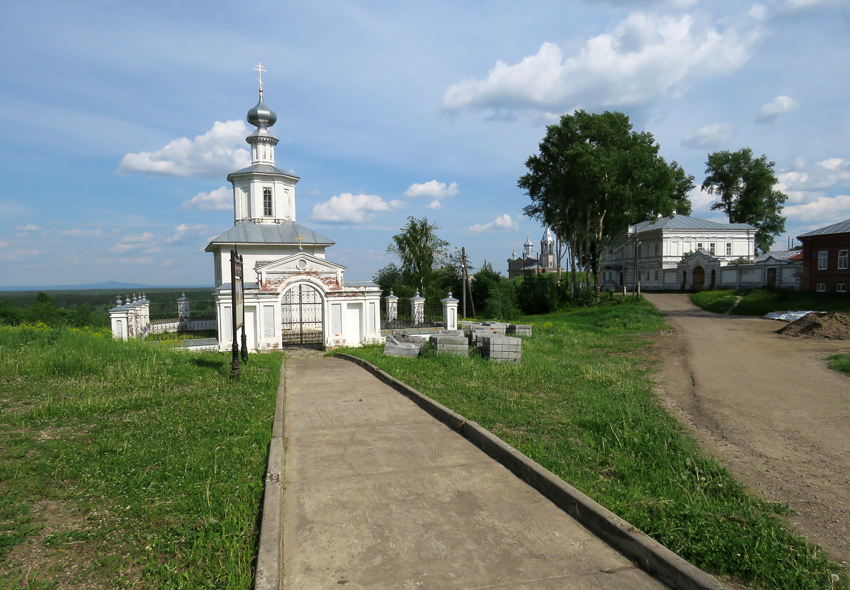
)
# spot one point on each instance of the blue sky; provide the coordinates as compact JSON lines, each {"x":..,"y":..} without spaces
{"x":121,"y":121}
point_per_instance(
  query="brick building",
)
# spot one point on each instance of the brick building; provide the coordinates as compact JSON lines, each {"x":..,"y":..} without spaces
{"x":825,"y":259}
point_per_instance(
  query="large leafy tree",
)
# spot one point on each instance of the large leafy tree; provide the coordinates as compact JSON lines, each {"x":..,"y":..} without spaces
{"x":746,"y":189}
{"x":420,"y":251}
{"x":594,"y":176}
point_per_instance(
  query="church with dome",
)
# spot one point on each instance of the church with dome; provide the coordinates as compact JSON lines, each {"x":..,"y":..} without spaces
{"x":529,"y":263}
{"x":292,"y":293}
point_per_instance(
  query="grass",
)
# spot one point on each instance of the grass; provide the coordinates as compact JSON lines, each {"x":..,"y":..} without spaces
{"x":761,"y":301}
{"x":715,"y":301}
{"x":839,"y":362}
{"x":582,"y":405}
{"x":124,"y":465}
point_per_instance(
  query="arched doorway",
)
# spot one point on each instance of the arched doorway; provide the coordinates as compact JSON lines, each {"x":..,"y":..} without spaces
{"x":698,"y":279}
{"x":302,"y":315}
{"x":771,"y":277}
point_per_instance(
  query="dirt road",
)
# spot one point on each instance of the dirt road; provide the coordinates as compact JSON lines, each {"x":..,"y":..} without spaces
{"x":767,"y":407}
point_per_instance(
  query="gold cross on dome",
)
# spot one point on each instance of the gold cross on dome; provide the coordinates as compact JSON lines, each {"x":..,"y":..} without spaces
{"x":260,"y":69}
{"x":300,"y":240}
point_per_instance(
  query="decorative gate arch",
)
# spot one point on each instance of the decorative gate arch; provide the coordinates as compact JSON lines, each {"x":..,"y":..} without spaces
{"x":302,"y":315}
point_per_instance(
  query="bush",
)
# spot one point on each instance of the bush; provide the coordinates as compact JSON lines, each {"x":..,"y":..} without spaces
{"x":501,"y":303}
{"x":538,"y":294}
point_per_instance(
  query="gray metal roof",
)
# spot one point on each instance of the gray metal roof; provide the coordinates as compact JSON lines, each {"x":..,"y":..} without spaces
{"x":842,"y":227}
{"x":262,"y":169}
{"x":686,"y":222}
{"x":286,"y":232}
{"x":777,"y":254}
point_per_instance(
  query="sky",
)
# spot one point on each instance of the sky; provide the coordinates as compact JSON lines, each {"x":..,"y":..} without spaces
{"x":121,"y":121}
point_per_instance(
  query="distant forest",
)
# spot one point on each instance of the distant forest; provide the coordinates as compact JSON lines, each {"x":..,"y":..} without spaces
{"x":90,"y":307}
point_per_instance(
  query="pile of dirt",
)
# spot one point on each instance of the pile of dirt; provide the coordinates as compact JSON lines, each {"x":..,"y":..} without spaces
{"x":832,"y":324}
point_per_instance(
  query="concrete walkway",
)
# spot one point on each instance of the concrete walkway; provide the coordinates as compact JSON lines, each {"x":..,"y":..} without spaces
{"x":378,"y":494}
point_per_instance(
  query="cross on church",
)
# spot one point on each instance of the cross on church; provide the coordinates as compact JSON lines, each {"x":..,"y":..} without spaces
{"x":260,"y":69}
{"x":300,"y":242}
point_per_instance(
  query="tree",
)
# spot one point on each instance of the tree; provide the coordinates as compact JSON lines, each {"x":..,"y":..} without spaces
{"x":421,"y":252}
{"x":745,"y":186}
{"x":594,"y":177}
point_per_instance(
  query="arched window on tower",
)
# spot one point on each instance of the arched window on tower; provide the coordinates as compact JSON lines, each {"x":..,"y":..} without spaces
{"x":267,"y":202}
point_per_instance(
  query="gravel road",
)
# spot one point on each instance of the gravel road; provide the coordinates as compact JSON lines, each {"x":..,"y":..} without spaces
{"x":767,"y":407}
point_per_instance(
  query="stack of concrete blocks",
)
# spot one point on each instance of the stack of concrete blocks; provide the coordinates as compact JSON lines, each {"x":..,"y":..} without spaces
{"x":502,"y":349}
{"x":403,"y":346}
{"x":451,"y":342}
{"x":478,"y":332}
{"x":497,"y":327}
{"x":519,"y":330}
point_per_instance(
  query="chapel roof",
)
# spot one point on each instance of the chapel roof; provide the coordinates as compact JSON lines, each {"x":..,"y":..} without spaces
{"x":262,"y":169}
{"x":842,"y":227}
{"x":286,"y":232}
{"x":687,"y":222}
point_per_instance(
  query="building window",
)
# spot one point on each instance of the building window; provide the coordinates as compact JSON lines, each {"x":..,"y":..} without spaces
{"x":656,"y":249}
{"x":640,"y":251}
{"x":728,"y":248}
{"x":841,"y":288}
{"x":711,"y":247}
{"x":656,"y":275}
{"x":822,"y":260}
{"x":699,"y":245}
{"x":821,"y":288}
{"x":267,"y":202}
{"x":842,"y":260}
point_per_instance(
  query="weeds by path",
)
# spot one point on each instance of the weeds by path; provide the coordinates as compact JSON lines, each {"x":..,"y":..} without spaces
{"x":839,"y":362}
{"x":581,"y":405}
{"x":124,"y":465}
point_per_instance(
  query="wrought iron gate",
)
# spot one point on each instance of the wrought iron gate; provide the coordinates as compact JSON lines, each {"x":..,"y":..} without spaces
{"x":302,"y":313}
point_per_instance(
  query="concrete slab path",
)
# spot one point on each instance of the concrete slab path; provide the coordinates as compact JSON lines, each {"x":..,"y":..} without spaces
{"x":379,"y":494}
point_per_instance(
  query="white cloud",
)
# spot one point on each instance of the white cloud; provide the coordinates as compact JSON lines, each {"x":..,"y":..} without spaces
{"x":800,"y":5}
{"x":758,"y":12}
{"x":646,"y":56}
{"x":214,"y":153}
{"x":18,"y":255}
{"x":826,"y":174}
{"x":773,"y":110}
{"x":500,"y":224}
{"x":182,"y":230}
{"x":349,"y":208}
{"x":436,"y":204}
{"x":138,"y":238}
{"x":709,"y":136}
{"x":823,"y":210}
{"x":28,"y":227}
{"x":80,"y":233}
{"x":431,"y":190}
{"x":124,"y":248}
{"x":221,"y":199}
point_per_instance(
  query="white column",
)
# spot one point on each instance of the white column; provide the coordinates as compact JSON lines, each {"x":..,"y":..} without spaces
{"x":449,"y":312}
{"x":392,"y":306}
{"x":417,"y":309}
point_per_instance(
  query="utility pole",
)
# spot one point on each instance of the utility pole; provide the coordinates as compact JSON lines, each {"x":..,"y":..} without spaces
{"x":463,"y":272}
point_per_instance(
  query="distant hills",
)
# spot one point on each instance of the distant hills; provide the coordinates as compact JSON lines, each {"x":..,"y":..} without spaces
{"x":108,"y":285}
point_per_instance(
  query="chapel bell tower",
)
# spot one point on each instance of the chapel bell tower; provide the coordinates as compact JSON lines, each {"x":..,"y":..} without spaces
{"x":262,"y":193}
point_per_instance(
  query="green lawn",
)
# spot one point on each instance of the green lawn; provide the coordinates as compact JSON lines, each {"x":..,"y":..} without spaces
{"x":124,"y":465}
{"x":582,"y":405}
{"x":761,"y":301}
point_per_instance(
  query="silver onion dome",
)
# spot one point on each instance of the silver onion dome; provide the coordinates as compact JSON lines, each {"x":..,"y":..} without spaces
{"x":261,"y":116}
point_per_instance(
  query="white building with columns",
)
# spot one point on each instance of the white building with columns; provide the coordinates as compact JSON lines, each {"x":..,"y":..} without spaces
{"x":293,"y":294}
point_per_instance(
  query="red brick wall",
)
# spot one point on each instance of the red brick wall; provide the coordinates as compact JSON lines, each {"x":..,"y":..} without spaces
{"x":832,"y":276}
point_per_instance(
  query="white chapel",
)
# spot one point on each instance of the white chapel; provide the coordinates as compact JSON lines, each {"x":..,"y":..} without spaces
{"x":293,"y":294}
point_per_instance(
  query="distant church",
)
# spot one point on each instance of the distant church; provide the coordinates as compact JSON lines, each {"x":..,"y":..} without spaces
{"x":529,"y":263}
{"x":293,"y":294}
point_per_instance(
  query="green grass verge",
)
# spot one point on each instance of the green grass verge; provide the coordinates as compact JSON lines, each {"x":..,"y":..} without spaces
{"x":762,"y":301}
{"x":128,"y":466}
{"x":715,"y":301}
{"x":581,"y":404}
{"x":839,"y":362}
